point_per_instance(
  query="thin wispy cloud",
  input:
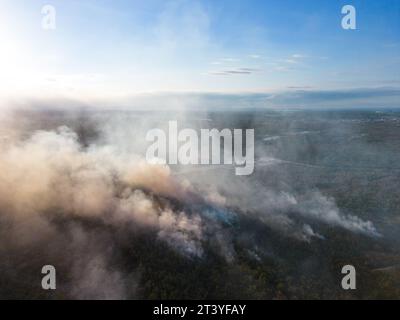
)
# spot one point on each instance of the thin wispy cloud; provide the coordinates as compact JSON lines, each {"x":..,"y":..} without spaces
{"x":282,"y":68}
{"x":291,"y":61}
{"x":237,"y":71}
{"x":300,"y":87}
{"x":230,"y":59}
{"x":298,"y":56}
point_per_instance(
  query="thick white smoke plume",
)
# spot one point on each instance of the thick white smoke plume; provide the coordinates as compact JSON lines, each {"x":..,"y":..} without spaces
{"x":50,"y":172}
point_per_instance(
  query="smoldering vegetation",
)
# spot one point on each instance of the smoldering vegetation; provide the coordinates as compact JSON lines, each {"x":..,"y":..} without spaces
{"x":76,"y":192}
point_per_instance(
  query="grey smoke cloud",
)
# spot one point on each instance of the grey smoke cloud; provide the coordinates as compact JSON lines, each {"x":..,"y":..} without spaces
{"x":46,"y":175}
{"x":51,"y":170}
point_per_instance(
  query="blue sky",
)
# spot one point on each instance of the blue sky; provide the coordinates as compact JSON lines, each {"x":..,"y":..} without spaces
{"x":120,"y":47}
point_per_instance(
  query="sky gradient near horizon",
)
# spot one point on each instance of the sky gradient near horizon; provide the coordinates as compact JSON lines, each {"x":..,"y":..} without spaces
{"x":125,"y":47}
